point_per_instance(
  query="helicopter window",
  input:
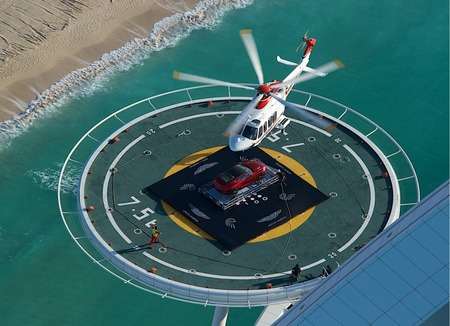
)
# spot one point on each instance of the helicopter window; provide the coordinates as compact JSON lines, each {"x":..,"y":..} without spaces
{"x":260,"y":132}
{"x":250,"y":132}
{"x":273,"y":118}
{"x":256,"y":122}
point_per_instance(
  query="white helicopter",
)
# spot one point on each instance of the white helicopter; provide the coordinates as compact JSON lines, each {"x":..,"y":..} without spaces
{"x":266,"y":109}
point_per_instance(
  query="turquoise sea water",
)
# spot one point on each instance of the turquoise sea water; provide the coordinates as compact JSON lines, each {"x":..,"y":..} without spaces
{"x":397,"y":74}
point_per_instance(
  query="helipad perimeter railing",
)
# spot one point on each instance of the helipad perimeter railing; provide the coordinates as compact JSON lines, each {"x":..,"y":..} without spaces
{"x":87,"y":144}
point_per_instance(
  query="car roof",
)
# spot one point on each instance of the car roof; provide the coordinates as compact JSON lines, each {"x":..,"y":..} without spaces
{"x":238,"y":169}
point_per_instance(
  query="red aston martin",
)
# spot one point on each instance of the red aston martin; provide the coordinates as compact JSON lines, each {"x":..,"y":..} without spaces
{"x":239,"y":176}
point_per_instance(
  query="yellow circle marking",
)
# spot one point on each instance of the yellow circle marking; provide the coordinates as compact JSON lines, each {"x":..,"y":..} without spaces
{"x":279,"y":231}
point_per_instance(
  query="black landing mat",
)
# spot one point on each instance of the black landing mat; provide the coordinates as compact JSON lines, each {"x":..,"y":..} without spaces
{"x":256,"y":215}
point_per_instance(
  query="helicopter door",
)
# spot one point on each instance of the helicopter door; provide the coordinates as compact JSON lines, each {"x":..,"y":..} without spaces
{"x":260,"y":132}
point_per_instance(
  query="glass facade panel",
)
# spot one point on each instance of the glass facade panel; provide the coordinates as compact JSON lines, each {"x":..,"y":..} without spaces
{"x":359,"y":302}
{"x":300,"y":320}
{"x":372,"y":289}
{"x":387,"y":278}
{"x":340,"y":311}
{"x":421,"y":306}
{"x":440,"y":224}
{"x":421,"y":257}
{"x":321,"y":317}
{"x":383,"y":321}
{"x":404,"y":267}
{"x":402,"y":315}
{"x":443,"y":206}
{"x":432,"y":241}
{"x":433,"y":292}
{"x":442,"y":278}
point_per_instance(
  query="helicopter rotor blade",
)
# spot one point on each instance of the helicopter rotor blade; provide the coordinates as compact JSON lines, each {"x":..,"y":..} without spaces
{"x":321,"y":71}
{"x":252,"y":51}
{"x":304,"y":114}
{"x":236,"y":126}
{"x":205,"y":80}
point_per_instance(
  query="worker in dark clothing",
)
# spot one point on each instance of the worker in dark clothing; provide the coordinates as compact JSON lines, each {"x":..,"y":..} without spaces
{"x":296,"y":271}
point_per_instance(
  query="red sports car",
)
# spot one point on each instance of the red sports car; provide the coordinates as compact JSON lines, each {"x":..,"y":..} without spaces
{"x":239,"y":176}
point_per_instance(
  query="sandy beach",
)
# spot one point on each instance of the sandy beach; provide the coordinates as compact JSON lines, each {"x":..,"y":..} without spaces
{"x":43,"y":40}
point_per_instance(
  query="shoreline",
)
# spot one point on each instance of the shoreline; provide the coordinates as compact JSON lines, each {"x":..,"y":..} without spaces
{"x":99,"y":28}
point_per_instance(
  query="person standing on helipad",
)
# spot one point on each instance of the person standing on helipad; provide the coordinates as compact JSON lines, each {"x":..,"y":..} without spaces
{"x":155,"y":234}
{"x":296,"y":271}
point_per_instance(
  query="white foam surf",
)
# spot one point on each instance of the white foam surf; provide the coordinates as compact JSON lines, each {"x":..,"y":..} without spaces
{"x":166,"y":33}
{"x":48,"y":179}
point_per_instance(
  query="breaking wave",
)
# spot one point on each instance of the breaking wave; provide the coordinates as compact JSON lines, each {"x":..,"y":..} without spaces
{"x":48,"y":179}
{"x":166,"y":33}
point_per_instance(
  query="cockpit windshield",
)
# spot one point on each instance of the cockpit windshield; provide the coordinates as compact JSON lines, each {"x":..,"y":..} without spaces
{"x":250,"y":132}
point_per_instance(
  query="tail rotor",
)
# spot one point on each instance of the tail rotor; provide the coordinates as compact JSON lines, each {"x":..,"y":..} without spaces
{"x":302,"y":45}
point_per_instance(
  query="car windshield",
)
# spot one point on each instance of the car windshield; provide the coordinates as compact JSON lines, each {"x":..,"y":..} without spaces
{"x":234,"y":172}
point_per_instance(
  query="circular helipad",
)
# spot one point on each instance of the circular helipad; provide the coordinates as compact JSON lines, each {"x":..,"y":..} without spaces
{"x":117,"y":209}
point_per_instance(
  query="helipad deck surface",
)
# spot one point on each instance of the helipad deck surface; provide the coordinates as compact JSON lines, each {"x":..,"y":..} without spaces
{"x":335,"y":161}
